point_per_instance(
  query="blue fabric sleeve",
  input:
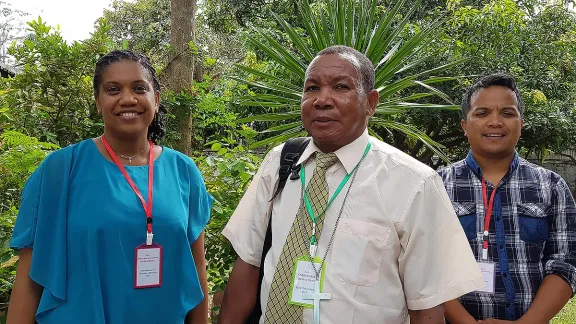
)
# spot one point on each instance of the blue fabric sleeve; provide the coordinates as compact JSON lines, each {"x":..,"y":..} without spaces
{"x":25,"y":227}
{"x":200,"y":205}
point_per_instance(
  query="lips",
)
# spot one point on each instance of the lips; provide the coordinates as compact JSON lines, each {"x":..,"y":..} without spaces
{"x":494,"y":135}
{"x":323,"y":119}
{"x":128,"y":114}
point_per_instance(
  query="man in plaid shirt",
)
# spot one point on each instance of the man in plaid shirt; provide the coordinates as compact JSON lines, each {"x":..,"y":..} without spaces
{"x":519,"y":218}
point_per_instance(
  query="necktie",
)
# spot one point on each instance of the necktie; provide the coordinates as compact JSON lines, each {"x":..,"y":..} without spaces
{"x":278,"y":311}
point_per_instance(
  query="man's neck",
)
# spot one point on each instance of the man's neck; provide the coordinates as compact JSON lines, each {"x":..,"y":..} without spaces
{"x":494,"y":168}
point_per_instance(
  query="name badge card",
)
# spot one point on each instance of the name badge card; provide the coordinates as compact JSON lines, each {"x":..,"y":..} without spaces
{"x":489,"y":275}
{"x":148,"y":266}
{"x":304,"y":279}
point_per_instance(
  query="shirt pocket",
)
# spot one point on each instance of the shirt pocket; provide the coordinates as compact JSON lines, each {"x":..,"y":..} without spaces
{"x":533,"y":221}
{"x":466,"y":212}
{"x":358,"y":251}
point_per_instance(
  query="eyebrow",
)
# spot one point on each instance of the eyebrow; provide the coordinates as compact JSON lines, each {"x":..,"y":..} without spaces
{"x":489,"y":108}
{"x":336,"y":78}
{"x":117,"y":82}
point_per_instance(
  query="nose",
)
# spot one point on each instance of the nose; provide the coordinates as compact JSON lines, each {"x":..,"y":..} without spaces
{"x":127,"y":98}
{"x":324,"y":99}
{"x":495,"y":120}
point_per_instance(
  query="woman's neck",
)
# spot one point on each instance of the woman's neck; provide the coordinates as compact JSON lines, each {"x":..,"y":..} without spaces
{"x":127,"y":146}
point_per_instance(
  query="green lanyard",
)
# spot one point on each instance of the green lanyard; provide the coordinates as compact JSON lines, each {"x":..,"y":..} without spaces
{"x":307,"y":200}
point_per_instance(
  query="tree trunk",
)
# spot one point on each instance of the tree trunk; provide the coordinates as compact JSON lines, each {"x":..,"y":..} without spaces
{"x":180,"y":69}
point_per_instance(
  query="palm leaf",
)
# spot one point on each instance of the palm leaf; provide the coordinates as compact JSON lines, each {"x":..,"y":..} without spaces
{"x":381,"y":37}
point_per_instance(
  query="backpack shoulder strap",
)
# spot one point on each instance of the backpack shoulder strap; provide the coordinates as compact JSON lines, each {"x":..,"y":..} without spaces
{"x":291,"y":152}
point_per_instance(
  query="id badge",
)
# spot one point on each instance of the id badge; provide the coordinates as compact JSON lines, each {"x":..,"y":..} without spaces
{"x":489,"y":276}
{"x":304,"y":279}
{"x":148,"y":266}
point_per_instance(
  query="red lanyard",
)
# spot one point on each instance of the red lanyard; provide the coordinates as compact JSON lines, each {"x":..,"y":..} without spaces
{"x":147,"y":207}
{"x":489,"y":205}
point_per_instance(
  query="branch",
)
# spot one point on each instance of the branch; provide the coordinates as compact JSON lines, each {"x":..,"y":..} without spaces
{"x":572,"y":158}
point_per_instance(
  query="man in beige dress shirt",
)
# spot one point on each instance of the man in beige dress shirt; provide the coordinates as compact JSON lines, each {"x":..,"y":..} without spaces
{"x":391,"y":248}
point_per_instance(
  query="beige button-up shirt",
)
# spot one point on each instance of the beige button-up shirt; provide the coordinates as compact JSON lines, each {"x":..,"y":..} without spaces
{"x":398,"y":244}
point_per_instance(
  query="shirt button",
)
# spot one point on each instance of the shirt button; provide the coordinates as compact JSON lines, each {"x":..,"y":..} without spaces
{"x":501,"y":247}
{"x":498,"y":218}
{"x":505,"y":275}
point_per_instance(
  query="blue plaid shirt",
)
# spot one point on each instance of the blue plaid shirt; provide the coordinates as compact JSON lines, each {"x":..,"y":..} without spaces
{"x":532,"y":232}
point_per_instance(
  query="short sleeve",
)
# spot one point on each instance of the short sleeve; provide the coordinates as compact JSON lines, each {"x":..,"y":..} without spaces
{"x":25,"y":227}
{"x":247,"y":226}
{"x":200,"y":205}
{"x":432,"y":239}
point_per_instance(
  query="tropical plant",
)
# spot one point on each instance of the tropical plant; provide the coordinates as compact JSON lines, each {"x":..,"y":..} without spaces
{"x":52,"y":97}
{"x":384,"y":35}
{"x":20,"y":155}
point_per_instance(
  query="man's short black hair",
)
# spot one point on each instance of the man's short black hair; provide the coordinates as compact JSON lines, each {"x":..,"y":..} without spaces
{"x":499,"y":79}
{"x":362,"y":64}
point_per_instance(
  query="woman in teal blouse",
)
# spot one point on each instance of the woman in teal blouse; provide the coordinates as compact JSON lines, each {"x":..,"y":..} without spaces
{"x":96,"y":216}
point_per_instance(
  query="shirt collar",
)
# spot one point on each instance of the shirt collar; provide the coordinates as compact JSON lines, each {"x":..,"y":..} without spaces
{"x":473,"y":165}
{"x":348,"y":155}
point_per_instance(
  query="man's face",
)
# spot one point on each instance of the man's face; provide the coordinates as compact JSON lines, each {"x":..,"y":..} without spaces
{"x":334,"y":110}
{"x":493,"y":124}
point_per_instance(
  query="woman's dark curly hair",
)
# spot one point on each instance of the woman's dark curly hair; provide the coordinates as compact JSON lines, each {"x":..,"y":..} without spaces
{"x":156,"y":129}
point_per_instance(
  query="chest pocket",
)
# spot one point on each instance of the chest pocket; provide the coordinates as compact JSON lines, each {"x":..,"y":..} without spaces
{"x":357,"y":252}
{"x":466,"y":212}
{"x":533,"y":223}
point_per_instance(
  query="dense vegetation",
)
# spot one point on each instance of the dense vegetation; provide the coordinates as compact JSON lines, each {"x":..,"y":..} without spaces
{"x":245,"y":82}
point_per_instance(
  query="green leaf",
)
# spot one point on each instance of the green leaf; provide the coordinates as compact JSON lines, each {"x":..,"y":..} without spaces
{"x":216,"y":146}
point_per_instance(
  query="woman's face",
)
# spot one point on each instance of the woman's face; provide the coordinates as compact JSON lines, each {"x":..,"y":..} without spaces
{"x":127,"y":99}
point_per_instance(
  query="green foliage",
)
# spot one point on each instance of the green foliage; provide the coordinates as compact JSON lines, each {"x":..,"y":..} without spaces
{"x":142,"y":26}
{"x":20,"y":155}
{"x":52,"y":97}
{"x":228,"y":170}
{"x":387,"y":39}
{"x":538,"y":49}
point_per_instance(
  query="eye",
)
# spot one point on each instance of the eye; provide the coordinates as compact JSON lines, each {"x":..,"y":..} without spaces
{"x":112,"y":90}
{"x":509,"y":114}
{"x":312,"y":88}
{"x":480,"y":114}
{"x":140,"y":89}
{"x":341,"y":86}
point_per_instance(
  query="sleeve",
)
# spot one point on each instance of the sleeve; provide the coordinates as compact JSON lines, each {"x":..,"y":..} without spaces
{"x":25,"y":227}
{"x":560,"y":249}
{"x":246,"y":228}
{"x":200,"y":205}
{"x":432,"y":238}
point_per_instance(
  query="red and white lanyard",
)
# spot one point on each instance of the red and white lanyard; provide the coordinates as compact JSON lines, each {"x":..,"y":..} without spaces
{"x":147,"y":207}
{"x":488,"y":206}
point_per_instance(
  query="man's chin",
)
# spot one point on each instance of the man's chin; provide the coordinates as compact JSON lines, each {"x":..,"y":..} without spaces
{"x":496,"y":153}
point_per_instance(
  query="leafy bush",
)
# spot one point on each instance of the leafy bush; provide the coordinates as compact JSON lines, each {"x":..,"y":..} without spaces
{"x":20,"y":155}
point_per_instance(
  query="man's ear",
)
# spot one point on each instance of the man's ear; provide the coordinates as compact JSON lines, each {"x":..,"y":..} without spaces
{"x":464,"y":125}
{"x":373,"y":98}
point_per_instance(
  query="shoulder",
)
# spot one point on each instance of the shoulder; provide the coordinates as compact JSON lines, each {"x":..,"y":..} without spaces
{"x":271,"y":163}
{"x":66,"y":154}
{"x":527,"y":169}
{"x":179,"y":162}
{"x":449,"y":172}
{"x":399,"y":162}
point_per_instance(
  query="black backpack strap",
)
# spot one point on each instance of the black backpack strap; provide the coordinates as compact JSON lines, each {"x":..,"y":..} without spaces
{"x":291,"y":152}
